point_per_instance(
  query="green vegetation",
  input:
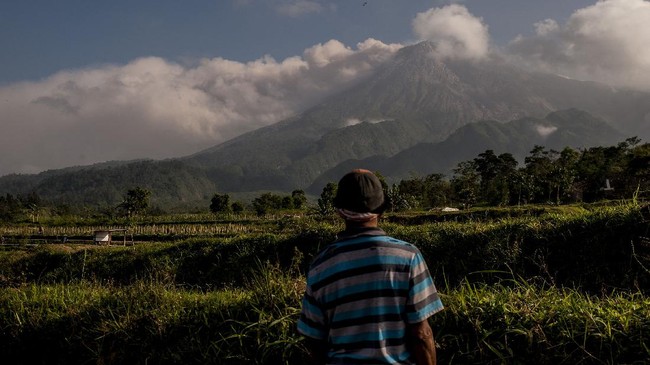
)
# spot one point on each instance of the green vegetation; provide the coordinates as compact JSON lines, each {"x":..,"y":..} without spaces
{"x":269,"y":203}
{"x":285,"y":162}
{"x":220,"y":203}
{"x":548,"y":176}
{"x":533,"y":285}
{"x":135,"y":202}
{"x":326,"y":200}
{"x":152,"y":323}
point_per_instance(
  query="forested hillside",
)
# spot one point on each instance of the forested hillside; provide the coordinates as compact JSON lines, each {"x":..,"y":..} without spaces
{"x":547,"y":176}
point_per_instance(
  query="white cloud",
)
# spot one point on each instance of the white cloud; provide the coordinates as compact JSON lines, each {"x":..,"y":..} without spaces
{"x":354,"y":121}
{"x":323,"y":54}
{"x":454,"y":30}
{"x":608,"y":42}
{"x":156,"y":109}
{"x":546,"y":27}
{"x":545,"y":131}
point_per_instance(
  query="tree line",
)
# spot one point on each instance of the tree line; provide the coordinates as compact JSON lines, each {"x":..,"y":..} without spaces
{"x":19,"y":208}
{"x":263,"y":204}
{"x":547,"y":176}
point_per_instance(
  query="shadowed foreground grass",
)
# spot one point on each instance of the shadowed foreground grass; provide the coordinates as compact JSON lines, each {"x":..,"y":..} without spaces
{"x":148,"y":322}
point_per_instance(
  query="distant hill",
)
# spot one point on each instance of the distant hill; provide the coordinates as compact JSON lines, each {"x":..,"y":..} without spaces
{"x":171,"y":182}
{"x":567,"y":128}
{"x":416,"y":113}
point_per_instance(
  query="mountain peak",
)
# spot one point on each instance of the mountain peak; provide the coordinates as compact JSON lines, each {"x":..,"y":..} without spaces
{"x":422,"y":99}
{"x":421,"y":49}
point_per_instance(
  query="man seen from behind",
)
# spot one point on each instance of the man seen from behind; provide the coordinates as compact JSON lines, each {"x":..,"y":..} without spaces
{"x":368,"y":295}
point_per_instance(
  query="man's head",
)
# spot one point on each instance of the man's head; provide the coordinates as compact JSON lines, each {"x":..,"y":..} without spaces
{"x":360,"y":191}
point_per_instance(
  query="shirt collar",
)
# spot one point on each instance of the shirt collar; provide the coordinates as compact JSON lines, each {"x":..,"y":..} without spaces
{"x":358,"y":232}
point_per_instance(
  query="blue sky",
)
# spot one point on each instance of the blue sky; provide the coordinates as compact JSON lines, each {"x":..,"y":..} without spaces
{"x":40,"y":37}
{"x":90,"y":81}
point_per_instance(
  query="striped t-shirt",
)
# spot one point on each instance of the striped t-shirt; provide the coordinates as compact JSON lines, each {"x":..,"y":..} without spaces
{"x":361,"y":292}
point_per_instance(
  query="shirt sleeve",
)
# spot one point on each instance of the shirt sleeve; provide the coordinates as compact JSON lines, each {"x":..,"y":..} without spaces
{"x":312,"y":321}
{"x":423,"y":300}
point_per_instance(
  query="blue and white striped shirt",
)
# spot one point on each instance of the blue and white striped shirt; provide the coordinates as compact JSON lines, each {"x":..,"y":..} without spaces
{"x":361,"y":293}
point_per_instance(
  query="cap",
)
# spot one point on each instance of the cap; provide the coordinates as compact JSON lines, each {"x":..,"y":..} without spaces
{"x":360,"y":191}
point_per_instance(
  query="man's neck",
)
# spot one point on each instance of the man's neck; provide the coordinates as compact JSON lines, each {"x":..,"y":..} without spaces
{"x":357,"y":230}
{"x":352,"y":226}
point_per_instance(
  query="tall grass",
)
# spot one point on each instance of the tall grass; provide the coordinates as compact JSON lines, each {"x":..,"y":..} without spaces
{"x":589,"y":249}
{"x":516,"y":322}
{"x":149,"y":322}
{"x":565,"y":287}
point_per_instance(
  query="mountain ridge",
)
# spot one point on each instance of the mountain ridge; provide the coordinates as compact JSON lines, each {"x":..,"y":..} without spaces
{"x":567,"y":128}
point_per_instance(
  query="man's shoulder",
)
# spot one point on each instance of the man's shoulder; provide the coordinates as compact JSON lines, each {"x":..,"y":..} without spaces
{"x":365,"y":242}
{"x":343,"y":249}
{"x":397,"y":243}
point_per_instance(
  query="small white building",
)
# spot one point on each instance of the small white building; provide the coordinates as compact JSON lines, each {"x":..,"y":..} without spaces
{"x":106,"y":237}
{"x":449,"y":209}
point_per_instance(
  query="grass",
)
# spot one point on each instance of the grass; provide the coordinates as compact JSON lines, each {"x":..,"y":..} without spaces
{"x":511,"y":322}
{"x":597,"y":250}
{"x":520,"y":323}
{"x":565,"y":286}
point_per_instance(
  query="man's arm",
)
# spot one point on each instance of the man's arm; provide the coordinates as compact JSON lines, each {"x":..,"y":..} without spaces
{"x":420,"y":342}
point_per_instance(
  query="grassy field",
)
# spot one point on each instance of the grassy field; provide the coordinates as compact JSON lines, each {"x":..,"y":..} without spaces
{"x":531,"y":285}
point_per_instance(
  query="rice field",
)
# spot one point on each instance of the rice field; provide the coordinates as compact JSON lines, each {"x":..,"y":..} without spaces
{"x":536,"y":286}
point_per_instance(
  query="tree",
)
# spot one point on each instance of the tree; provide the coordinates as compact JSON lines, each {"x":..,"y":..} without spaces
{"x":326,"y":200}
{"x":437,"y":191}
{"x":466,"y":183}
{"x":539,"y":166}
{"x":408,"y":194}
{"x":505,"y":183}
{"x":267,"y":203}
{"x":400,"y":201}
{"x":638,"y":168}
{"x":10,"y":208}
{"x":136,"y":201}
{"x":563,"y":174}
{"x":299,"y":199}
{"x":487,"y":166}
{"x":426,"y":192}
{"x":237,"y":207}
{"x":597,"y":165}
{"x":287,"y":202}
{"x":220,"y":203}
